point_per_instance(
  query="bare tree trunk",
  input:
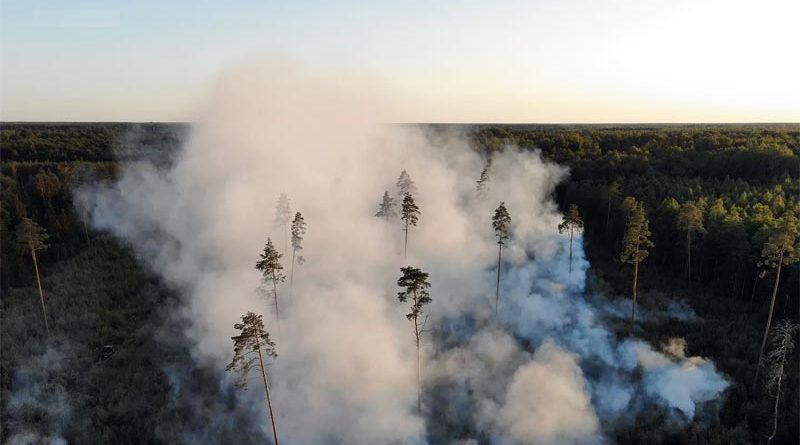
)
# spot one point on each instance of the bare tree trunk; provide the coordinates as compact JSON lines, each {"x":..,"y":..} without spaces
{"x":570,"y":252}
{"x":291,"y":276}
{"x":405,"y":246}
{"x":769,"y":320}
{"x":775,"y":410}
{"x":41,"y":293}
{"x":633,"y":302}
{"x":85,"y":230}
{"x":416,"y":339}
{"x":497,"y":291}
{"x":419,"y":379}
{"x":275,"y":295}
{"x":266,"y":388}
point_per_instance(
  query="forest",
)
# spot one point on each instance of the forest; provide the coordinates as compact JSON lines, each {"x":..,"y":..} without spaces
{"x":706,"y":214}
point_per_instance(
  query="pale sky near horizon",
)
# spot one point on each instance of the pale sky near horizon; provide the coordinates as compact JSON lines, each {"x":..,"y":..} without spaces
{"x":455,"y":61}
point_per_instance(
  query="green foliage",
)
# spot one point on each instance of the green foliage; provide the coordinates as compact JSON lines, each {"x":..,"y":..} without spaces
{"x":636,"y":243}
{"x":571,"y":221}
{"x":416,"y":287}
{"x":501,"y":222}
{"x":250,"y":347}
{"x":298,"y":231}
{"x":270,"y":264}
{"x":410,"y":212}
{"x":31,"y":236}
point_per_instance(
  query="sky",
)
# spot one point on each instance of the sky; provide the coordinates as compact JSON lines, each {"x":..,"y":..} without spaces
{"x":548,"y":61}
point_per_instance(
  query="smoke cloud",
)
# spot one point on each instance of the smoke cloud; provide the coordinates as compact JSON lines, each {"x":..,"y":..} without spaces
{"x":545,"y":369}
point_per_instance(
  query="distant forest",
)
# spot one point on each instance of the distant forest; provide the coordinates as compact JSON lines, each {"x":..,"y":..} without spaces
{"x":740,"y":184}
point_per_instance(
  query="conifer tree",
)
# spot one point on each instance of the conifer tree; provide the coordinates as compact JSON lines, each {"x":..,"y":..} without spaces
{"x":386,"y":208}
{"x":298,"y":231}
{"x":32,"y":238}
{"x":779,"y":250}
{"x":690,"y":219}
{"x":405,"y":185}
{"x":416,"y":285}
{"x":270,"y":267}
{"x":571,"y":223}
{"x":482,"y":184}
{"x":636,"y":244}
{"x":250,"y":349}
{"x":783,"y":345}
{"x":283,"y":216}
{"x":410,"y":215}
{"x":501,"y":223}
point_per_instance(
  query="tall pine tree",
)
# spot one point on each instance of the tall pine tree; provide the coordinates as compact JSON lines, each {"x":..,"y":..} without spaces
{"x":636,"y":244}
{"x":501,"y":223}
{"x":410,"y":215}
{"x":416,"y":285}
{"x":270,"y":267}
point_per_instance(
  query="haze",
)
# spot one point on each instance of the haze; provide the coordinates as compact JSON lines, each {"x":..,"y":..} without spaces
{"x":467,"y":61}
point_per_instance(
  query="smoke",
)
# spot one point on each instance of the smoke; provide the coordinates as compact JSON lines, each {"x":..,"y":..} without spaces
{"x":545,"y":369}
{"x":38,"y":393}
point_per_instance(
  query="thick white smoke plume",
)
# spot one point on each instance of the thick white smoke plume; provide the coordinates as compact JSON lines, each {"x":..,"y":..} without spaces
{"x":544,"y":370}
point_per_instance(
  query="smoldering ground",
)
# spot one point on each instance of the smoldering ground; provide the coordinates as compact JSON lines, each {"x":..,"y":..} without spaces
{"x":545,"y":369}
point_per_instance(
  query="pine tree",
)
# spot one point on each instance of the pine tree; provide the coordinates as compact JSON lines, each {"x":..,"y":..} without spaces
{"x":571,"y":223}
{"x":783,"y":345}
{"x":482,"y":184}
{"x":635,"y":245}
{"x":501,"y":223}
{"x":270,"y":267}
{"x":405,"y":185}
{"x":416,"y":287}
{"x":690,"y":219}
{"x":386,"y":208}
{"x":298,"y":231}
{"x":410,"y":215}
{"x":779,"y":250}
{"x":283,"y":216}
{"x":250,"y":348}
{"x":32,"y":238}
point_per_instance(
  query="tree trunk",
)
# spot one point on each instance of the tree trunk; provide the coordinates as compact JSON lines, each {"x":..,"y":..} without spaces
{"x":291,"y":276}
{"x":85,"y":230}
{"x":497,"y":291}
{"x":416,"y":339}
{"x":755,"y":285}
{"x":275,"y":295}
{"x":769,"y":319}
{"x":570,"y":252}
{"x":635,"y":281}
{"x":775,"y":409}
{"x":608,"y":214}
{"x":266,"y":388}
{"x":41,"y":293}
{"x":405,"y":245}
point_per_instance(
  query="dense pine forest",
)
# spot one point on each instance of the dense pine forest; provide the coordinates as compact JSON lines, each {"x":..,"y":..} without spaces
{"x":721,"y":203}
